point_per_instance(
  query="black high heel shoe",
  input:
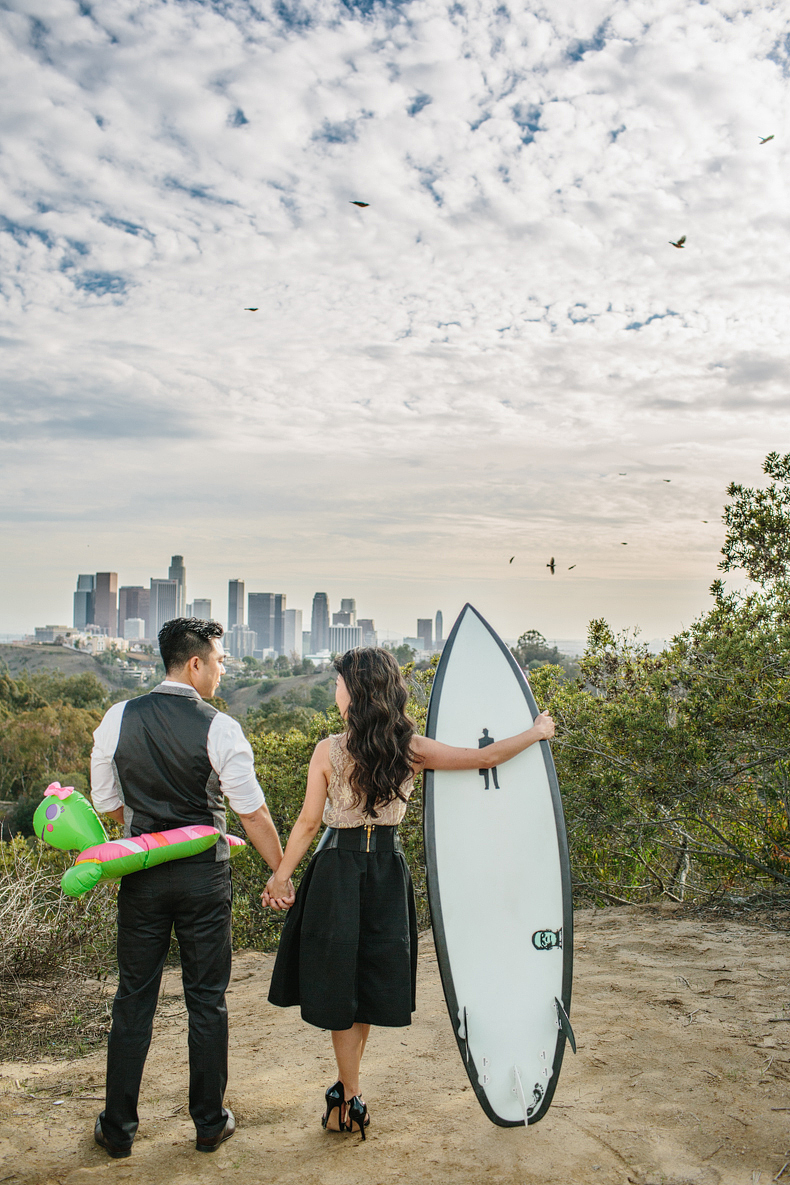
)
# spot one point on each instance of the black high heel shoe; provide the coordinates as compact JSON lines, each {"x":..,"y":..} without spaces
{"x":335,"y":1097}
{"x":357,"y":1113}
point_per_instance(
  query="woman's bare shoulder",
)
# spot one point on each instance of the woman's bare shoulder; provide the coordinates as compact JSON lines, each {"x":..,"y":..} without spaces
{"x":322,"y":751}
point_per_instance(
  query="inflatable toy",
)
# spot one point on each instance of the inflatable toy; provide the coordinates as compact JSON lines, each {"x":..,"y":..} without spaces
{"x":66,"y":820}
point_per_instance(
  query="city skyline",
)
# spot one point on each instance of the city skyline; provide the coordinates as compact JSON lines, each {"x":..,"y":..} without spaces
{"x":391,"y":626}
{"x":268,"y":623}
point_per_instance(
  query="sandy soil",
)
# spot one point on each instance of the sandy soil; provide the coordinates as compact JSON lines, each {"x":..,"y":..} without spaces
{"x":682,"y":1076}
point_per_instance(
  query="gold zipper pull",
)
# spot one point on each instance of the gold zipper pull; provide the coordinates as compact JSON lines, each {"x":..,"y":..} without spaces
{"x":368,"y":829}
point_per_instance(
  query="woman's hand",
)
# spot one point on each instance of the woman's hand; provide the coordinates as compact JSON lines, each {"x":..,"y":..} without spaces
{"x":544,"y":725}
{"x":278,"y":894}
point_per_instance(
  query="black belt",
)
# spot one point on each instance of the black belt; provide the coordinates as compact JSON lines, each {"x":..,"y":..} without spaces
{"x":361,"y":839}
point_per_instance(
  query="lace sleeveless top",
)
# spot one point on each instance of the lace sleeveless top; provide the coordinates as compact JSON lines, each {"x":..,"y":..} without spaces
{"x":340,"y":810}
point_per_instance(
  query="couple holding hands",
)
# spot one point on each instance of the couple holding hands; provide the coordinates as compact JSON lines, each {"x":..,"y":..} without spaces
{"x":348,"y":951}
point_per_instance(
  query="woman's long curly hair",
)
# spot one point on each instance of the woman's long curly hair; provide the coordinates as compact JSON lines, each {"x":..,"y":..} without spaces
{"x":378,"y":735}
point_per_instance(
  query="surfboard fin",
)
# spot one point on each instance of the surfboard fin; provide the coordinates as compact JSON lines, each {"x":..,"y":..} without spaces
{"x":518,"y":1090}
{"x":564,"y":1023}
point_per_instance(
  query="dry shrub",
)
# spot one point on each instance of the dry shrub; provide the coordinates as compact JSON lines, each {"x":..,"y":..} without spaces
{"x":44,"y":934}
{"x":49,"y":945}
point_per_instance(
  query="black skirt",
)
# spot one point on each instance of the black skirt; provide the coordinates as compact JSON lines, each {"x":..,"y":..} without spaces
{"x":348,"y":951}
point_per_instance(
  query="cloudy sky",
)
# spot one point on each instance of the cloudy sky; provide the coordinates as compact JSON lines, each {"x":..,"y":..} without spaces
{"x":502,"y":355}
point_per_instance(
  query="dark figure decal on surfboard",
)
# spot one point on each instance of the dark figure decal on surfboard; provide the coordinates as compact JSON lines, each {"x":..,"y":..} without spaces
{"x":485,"y":740}
{"x":547,"y":939}
{"x":537,"y":1095}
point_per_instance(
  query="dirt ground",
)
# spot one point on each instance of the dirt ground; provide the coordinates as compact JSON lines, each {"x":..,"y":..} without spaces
{"x":682,"y":1075}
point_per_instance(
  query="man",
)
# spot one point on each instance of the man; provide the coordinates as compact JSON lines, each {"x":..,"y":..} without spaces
{"x":160,"y":761}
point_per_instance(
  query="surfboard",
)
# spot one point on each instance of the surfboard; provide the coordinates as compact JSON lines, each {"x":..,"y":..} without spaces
{"x":499,"y":882}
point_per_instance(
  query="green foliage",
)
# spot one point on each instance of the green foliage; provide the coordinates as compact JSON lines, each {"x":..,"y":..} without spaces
{"x":81,"y":691}
{"x":758,"y":525}
{"x":403,"y":653}
{"x":532,"y":652}
{"x":36,"y":743}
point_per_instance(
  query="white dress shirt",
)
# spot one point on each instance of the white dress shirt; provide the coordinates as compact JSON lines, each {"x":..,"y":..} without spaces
{"x":228,"y":751}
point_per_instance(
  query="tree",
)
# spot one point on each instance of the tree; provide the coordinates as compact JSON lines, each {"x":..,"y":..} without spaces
{"x":403,"y":653}
{"x":758,"y":525}
{"x":532,"y":647}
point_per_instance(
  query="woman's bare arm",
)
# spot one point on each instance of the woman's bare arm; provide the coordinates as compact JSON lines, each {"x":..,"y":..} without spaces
{"x":304,"y":829}
{"x":434,"y":755}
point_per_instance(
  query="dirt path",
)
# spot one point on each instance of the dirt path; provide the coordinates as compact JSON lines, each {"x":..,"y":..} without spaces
{"x":682,"y":1075}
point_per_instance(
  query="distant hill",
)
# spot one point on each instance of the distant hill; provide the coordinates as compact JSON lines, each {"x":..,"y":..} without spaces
{"x":241,"y":698}
{"x":19,"y":659}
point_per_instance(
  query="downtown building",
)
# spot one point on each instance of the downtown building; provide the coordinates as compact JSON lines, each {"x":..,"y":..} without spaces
{"x":266,"y":616}
{"x":319,"y":624}
{"x":134,"y":604}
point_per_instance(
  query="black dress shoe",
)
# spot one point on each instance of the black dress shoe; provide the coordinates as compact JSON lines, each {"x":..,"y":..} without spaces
{"x":212,"y":1143}
{"x":111,"y":1149}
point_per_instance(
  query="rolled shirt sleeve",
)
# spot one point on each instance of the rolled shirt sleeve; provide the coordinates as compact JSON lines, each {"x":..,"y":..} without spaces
{"x":105,"y":787}
{"x":230,"y":755}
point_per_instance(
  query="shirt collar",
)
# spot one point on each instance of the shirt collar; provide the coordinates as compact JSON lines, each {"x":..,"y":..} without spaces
{"x":170,"y":687}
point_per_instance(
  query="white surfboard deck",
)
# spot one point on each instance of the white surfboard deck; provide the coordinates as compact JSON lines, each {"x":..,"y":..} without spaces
{"x":499,"y":882}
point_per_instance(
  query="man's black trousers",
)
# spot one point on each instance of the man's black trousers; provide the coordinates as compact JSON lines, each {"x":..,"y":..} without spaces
{"x":194,"y":897}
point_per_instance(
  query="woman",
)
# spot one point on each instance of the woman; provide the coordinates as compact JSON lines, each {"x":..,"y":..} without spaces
{"x":348,"y":952}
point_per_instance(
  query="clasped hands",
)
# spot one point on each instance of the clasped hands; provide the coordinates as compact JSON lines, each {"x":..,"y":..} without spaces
{"x":278,"y":894}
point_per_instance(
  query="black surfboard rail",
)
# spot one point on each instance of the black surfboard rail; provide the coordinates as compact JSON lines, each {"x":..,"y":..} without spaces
{"x":457,"y":1012}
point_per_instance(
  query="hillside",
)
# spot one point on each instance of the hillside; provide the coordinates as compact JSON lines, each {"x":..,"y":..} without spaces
{"x":21,"y":659}
{"x":239,"y":699}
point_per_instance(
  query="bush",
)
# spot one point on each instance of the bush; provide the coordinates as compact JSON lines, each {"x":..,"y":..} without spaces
{"x":44,"y":934}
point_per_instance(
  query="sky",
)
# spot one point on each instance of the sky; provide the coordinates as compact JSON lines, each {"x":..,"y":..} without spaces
{"x":502,"y":355}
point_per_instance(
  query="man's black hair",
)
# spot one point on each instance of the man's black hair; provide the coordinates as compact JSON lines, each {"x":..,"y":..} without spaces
{"x":184,"y":637}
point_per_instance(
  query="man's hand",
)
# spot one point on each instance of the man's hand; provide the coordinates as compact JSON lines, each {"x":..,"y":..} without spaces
{"x":545,"y":726}
{"x":278,"y":894}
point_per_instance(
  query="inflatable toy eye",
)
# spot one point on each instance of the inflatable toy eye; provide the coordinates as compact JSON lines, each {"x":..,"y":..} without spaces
{"x":53,"y":810}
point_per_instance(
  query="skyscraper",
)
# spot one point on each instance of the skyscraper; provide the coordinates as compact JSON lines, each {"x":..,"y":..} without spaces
{"x":84,"y":602}
{"x":133,"y":601}
{"x":201,"y":608}
{"x":235,"y":603}
{"x":260,"y":618}
{"x":106,"y":603}
{"x":344,"y":637}
{"x":240,"y":641}
{"x":265,"y":615}
{"x":439,"y":628}
{"x":178,"y":572}
{"x":369,"y":635}
{"x":425,"y":632}
{"x":319,"y":625}
{"x":349,"y":605}
{"x":292,"y":633}
{"x":164,"y":604}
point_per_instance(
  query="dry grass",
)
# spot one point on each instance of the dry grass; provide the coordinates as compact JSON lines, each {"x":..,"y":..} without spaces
{"x":49,"y":943}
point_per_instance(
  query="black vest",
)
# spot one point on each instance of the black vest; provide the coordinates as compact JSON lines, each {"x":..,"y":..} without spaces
{"x":162,"y":764}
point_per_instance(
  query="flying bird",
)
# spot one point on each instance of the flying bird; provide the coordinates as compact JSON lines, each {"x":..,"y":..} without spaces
{"x":624,"y":545}
{"x":765,"y":139}
{"x":680,"y":243}
{"x":550,"y":565}
{"x":510,"y":561}
{"x":703,"y":520}
{"x":571,"y":567}
{"x":362,"y":205}
{"x":666,"y":479}
{"x":250,"y":310}
{"x":622,"y":475}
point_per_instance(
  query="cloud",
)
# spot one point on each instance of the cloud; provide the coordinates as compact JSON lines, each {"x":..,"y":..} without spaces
{"x":507,"y":310}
